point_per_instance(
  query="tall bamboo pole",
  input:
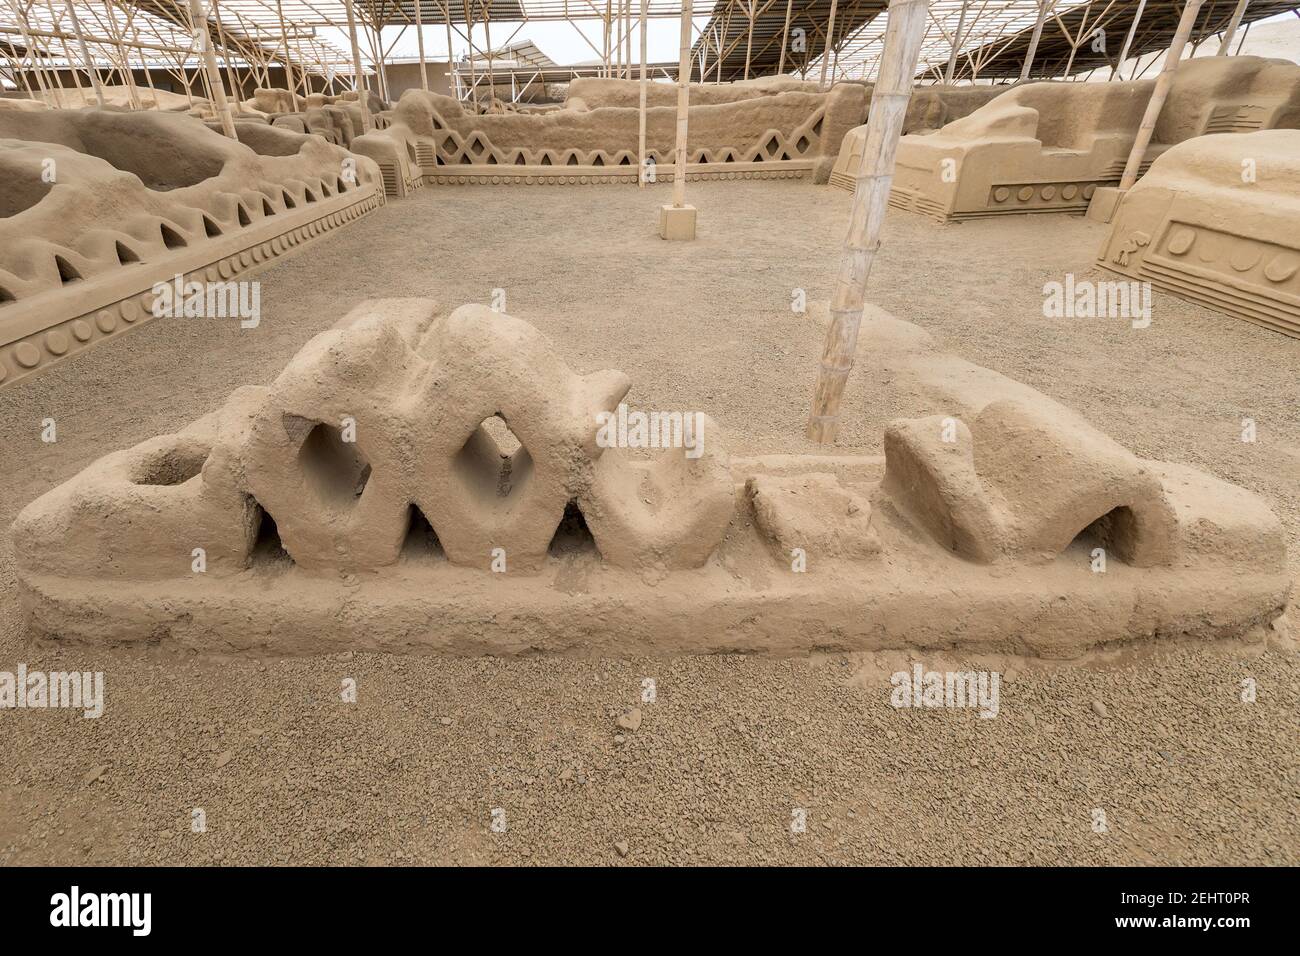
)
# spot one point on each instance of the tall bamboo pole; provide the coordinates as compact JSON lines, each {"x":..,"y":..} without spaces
{"x":487,"y":38}
{"x":359,"y":77}
{"x":419,"y":36}
{"x":627,"y":37}
{"x":875,"y":175}
{"x":1043,"y":6}
{"x":225,"y":55}
{"x":1157,"y":101}
{"x":469,"y":33}
{"x":785,"y":35}
{"x":201,"y":37}
{"x":1233,"y":24}
{"x":85,"y":55}
{"x":55,"y":24}
{"x":683,"y":106}
{"x":641,"y":170}
{"x":288,"y":69}
{"x":749,"y":36}
{"x":1128,"y":39}
{"x":453,"y":75}
{"x":830,"y":42}
{"x":956,"y":44}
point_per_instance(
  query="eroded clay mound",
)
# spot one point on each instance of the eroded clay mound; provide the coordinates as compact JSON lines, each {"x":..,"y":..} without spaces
{"x":418,"y":481}
{"x":1214,"y":220}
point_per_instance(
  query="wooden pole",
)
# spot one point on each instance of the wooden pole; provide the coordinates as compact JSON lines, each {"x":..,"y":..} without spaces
{"x":487,"y":38}
{"x":288,"y":69}
{"x":785,"y":36}
{"x":359,"y":77}
{"x":875,"y":175}
{"x":1128,"y":40}
{"x":85,"y":55}
{"x":830,"y":42}
{"x":1233,"y":24}
{"x":749,"y":36}
{"x":1038,"y":35}
{"x":627,"y":37}
{"x":419,"y":36}
{"x":683,"y":106}
{"x":225,"y":55}
{"x":469,"y":33}
{"x":55,"y":23}
{"x":641,"y":168}
{"x":1157,"y":101}
{"x":453,"y":75}
{"x":956,"y":43}
{"x":200,"y":21}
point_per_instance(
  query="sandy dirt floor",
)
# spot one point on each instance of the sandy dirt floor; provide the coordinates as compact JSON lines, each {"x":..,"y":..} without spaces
{"x":1184,"y":771}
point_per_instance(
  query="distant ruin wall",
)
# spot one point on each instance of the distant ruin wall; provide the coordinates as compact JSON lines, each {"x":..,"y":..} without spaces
{"x":99,"y":206}
{"x":787,"y":134}
{"x":1046,"y":147}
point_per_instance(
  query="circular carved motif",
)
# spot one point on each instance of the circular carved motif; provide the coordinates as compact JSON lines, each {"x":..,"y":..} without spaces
{"x":1181,"y":241}
{"x":56,"y":342}
{"x":27,"y":355}
{"x":1282,"y":267}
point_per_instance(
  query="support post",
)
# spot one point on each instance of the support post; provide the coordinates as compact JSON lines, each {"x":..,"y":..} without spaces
{"x":830,"y":42}
{"x":1157,"y":101}
{"x":1128,"y":40}
{"x":1233,"y":24}
{"x":419,"y":36}
{"x":956,"y":43}
{"x":1106,"y":200}
{"x":641,"y":167}
{"x":85,"y":55}
{"x":1038,"y":35}
{"x":200,"y":21}
{"x":288,"y":69}
{"x":363,"y":95}
{"x":785,"y":35}
{"x":678,"y":220}
{"x":875,"y":176}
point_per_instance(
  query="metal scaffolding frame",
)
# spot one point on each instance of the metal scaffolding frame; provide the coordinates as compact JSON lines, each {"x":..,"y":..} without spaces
{"x":65,"y":50}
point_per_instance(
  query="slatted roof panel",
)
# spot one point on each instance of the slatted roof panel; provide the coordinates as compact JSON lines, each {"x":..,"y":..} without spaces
{"x":724,"y":45}
{"x":1076,"y":24}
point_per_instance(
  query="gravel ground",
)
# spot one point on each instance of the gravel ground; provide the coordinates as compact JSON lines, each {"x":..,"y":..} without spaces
{"x":732,"y":747}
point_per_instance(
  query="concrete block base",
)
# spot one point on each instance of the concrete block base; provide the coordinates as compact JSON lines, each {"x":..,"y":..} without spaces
{"x":1105,"y":201}
{"x":677,"y":223}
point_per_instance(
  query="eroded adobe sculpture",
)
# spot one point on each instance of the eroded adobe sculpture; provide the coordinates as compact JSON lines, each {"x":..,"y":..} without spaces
{"x":784,"y":130}
{"x":263,"y":528}
{"x":99,"y":206}
{"x":1047,"y":147}
{"x":1215,"y":221}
